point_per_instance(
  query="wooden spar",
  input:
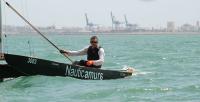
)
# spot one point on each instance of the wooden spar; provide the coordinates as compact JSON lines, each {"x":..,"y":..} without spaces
{"x":23,"y":18}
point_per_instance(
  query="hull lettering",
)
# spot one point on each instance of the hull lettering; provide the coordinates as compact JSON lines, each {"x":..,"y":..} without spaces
{"x":32,"y":61}
{"x":83,"y":74}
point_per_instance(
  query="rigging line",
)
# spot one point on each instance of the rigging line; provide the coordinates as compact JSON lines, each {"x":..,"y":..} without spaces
{"x":36,"y":29}
{"x":4,"y":30}
{"x":25,"y":13}
{"x":6,"y":44}
{"x":1,"y":29}
{"x":29,"y":48}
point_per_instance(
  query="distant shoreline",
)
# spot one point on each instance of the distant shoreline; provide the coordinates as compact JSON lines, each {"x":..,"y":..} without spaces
{"x":107,"y":33}
{"x":132,"y":33}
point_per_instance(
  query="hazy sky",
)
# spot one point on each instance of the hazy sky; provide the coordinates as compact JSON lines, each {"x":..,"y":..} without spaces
{"x":71,"y":12}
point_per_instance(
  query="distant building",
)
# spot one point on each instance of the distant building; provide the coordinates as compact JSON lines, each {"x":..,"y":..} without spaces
{"x":171,"y":27}
{"x":187,"y":28}
{"x":198,"y":26}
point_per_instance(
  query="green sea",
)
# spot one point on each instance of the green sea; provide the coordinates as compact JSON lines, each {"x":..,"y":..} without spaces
{"x":167,"y":69}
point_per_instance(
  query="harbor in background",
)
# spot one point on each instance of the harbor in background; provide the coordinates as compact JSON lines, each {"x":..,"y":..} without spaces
{"x":116,"y":27}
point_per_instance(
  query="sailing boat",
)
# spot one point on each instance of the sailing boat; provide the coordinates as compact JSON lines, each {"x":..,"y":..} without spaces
{"x":28,"y":66}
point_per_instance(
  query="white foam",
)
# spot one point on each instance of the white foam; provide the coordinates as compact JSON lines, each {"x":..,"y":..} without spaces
{"x":138,"y":72}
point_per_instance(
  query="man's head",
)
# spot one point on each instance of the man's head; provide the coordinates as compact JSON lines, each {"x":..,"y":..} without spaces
{"x":94,"y":41}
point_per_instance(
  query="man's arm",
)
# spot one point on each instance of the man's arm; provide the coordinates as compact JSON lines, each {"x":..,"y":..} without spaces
{"x":77,"y":53}
{"x":101,"y":58}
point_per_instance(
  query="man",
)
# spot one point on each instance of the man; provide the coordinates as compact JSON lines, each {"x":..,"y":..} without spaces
{"x":95,"y":54}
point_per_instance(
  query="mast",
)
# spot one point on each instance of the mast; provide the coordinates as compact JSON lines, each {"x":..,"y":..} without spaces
{"x":1,"y":51}
{"x":0,"y":29}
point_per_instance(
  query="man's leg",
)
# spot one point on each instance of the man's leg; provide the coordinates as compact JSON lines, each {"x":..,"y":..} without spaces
{"x":80,"y":63}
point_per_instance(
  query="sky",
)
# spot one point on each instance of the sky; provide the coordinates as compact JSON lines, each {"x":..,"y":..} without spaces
{"x":70,"y":13}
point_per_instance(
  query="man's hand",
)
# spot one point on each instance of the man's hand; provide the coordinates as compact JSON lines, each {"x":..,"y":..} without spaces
{"x":63,"y":51}
{"x":89,"y":63}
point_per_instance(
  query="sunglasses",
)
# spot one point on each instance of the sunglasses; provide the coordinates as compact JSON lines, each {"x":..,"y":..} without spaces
{"x":93,"y":41}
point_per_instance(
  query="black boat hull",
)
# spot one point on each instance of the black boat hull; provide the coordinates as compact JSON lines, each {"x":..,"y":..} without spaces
{"x":33,"y":66}
{"x":6,"y":71}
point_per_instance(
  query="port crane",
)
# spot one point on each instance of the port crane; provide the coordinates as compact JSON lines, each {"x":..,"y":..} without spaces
{"x":128,"y":25}
{"x":115,"y":23}
{"x":89,"y":24}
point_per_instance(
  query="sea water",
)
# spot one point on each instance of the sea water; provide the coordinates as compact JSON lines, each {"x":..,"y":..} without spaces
{"x":167,"y":69}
